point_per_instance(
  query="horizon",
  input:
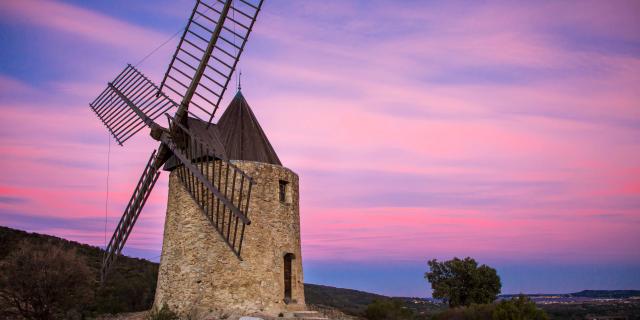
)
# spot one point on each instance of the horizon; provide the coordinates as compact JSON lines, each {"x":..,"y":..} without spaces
{"x":500,"y":131}
{"x":501,"y":294}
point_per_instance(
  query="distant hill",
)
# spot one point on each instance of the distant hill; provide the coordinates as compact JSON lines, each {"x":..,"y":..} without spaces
{"x":604,"y":294}
{"x":592,"y":294}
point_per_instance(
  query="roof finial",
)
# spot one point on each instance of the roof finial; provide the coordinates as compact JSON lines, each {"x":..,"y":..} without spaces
{"x":239,"y":81}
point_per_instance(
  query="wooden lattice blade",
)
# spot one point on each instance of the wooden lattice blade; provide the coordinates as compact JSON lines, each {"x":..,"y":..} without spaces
{"x":129,"y":103}
{"x":208,"y":52}
{"x":221,"y":190}
{"x":130,"y":216}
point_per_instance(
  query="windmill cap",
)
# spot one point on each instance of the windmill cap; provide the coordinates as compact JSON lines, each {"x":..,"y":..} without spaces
{"x":237,"y":135}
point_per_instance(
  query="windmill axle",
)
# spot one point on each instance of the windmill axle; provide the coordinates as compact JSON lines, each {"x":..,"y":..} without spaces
{"x":157,"y":131}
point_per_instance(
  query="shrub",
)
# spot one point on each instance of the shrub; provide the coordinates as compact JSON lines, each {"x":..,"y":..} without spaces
{"x":472,"y":312}
{"x":387,"y":310}
{"x":519,"y":308}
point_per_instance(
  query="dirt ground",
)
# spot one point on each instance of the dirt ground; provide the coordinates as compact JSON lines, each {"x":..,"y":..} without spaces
{"x":124,"y":316}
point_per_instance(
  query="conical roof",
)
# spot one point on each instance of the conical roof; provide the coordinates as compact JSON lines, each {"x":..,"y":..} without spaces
{"x":242,"y":136}
{"x":236,"y":136}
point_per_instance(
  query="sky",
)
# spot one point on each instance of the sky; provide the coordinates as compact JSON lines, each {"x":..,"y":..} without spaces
{"x":504,"y":131}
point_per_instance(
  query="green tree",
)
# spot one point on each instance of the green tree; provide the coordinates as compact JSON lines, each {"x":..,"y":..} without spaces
{"x":44,"y":282}
{"x":387,"y":309}
{"x":462,"y":282}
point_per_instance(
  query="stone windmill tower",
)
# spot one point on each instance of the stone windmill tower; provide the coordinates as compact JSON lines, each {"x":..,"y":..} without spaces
{"x":232,"y":231}
{"x":197,"y":268}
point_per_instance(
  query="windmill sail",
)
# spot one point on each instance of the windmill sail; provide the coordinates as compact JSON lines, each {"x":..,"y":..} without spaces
{"x":208,"y":53}
{"x":130,"y":215}
{"x":198,"y":74}
{"x":220,"y":189}
{"x":129,"y":103}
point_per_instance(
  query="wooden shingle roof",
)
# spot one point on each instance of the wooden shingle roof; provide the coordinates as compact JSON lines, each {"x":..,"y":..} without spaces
{"x":242,"y":136}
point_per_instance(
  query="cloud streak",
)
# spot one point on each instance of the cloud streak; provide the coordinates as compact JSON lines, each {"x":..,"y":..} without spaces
{"x":77,"y":21}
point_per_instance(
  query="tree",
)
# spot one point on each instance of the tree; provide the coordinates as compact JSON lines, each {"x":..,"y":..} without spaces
{"x":388,"y":309}
{"x":44,"y":282}
{"x":462,"y":282}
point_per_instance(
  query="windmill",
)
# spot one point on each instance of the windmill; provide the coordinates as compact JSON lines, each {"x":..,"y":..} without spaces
{"x":198,"y":74}
{"x":214,"y":257}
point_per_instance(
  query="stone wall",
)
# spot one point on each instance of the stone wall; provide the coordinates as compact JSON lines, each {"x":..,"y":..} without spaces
{"x":199,"y":274}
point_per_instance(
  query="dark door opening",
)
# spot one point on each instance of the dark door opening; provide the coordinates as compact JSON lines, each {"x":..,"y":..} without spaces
{"x":287,"y":276}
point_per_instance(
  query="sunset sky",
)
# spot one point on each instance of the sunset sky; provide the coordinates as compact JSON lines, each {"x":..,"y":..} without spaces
{"x":505,"y":131}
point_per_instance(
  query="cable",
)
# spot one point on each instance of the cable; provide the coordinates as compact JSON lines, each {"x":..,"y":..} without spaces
{"x":106,"y":201}
{"x":158,"y":47}
{"x":166,"y":41}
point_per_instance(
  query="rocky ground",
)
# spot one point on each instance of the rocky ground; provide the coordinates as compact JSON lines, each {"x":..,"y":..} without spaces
{"x":124,"y":316}
{"x":323,"y":312}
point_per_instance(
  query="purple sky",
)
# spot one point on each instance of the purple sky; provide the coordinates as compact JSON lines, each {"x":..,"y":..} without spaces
{"x":509,"y":132}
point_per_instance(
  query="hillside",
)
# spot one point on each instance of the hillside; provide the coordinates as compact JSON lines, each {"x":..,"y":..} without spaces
{"x":347,"y":300}
{"x":131,"y":283}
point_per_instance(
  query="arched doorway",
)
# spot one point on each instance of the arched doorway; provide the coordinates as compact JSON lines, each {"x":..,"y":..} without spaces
{"x":288,"y":275}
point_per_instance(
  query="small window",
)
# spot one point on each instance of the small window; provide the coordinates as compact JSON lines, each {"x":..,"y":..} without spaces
{"x":282,"y":191}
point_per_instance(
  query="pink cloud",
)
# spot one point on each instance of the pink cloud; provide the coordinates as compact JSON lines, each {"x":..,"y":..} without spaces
{"x":81,"y":22}
{"x":423,"y":233}
{"x":10,"y":85}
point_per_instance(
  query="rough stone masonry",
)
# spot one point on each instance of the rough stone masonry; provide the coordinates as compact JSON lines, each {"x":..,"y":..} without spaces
{"x":200,"y":275}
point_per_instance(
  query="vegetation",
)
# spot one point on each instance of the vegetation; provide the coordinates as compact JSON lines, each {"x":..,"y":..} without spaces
{"x":349,"y":301}
{"x":388,"y":309}
{"x":163,"y":314}
{"x":44,"y":282}
{"x":129,"y":288}
{"x":463,"y":282}
{"x":629,"y":309}
{"x":472,"y":312}
{"x":519,"y":308}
